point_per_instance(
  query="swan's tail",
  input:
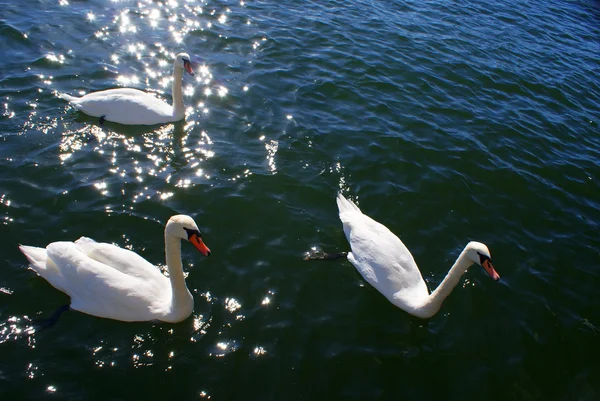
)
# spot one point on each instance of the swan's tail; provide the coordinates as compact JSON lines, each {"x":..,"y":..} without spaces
{"x":346,"y":206}
{"x":36,"y":256}
{"x":348,"y":212}
{"x":68,"y":98}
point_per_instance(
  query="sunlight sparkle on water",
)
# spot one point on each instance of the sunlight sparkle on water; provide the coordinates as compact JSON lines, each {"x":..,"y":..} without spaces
{"x":204,"y":71}
{"x":154,"y":16}
{"x":125,"y":23}
{"x":232,"y":305}
{"x":151,"y":73}
{"x":177,"y":36}
{"x":271,"y":148}
{"x":7,"y":112}
{"x":6,"y":291}
{"x":165,"y":82}
{"x":31,"y":371}
{"x":222,"y":91}
{"x":198,"y":322}
{"x":188,"y":91}
{"x":101,"y":186}
{"x":56,"y":58}
{"x":184,"y":183}
{"x":223,"y":347}
{"x":128,"y":80}
{"x":4,"y":200}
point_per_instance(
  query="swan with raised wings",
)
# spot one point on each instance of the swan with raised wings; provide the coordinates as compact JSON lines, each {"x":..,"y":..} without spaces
{"x":107,"y":281}
{"x":134,"y":107}
{"x":385,"y":263}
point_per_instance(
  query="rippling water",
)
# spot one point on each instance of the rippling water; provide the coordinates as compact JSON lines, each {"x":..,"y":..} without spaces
{"x":446,"y":121}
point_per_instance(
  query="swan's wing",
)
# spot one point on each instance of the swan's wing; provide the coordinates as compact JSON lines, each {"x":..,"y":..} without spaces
{"x":98,"y":289}
{"x":379,"y":255}
{"x":126,"y":106}
{"x":124,"y":260}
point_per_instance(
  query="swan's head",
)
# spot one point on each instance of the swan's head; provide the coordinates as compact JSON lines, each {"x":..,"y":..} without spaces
{"x":183,"y":60}
{"x":480,"y":254}
{"x":184,"y":227}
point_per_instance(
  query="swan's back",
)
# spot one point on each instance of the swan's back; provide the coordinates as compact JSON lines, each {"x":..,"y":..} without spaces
{"x":379,"y":256}
{"x":124,"y":260}
{"x":125,"y":106}
{"x":121,"y":289}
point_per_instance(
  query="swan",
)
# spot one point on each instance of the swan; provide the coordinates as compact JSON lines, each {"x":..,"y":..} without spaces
{"x":107,"y":281}
{"x":134,"y":107}
{"x":385,"y":263}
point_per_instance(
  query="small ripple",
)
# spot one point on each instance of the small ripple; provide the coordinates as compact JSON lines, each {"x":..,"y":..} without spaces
{"x":13,"y":37}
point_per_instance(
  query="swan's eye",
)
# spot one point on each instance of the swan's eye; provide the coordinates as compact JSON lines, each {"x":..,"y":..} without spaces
{"x":191,"y":233}
{"x":483,"y":258}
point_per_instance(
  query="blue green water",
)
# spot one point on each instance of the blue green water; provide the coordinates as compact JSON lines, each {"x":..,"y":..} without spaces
{"x":445,"y":121}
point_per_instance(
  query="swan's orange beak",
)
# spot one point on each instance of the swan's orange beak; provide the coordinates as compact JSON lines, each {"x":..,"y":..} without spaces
{"x":489,"y":268}
{"x":197,"y":242}
{"x":188,"y":67}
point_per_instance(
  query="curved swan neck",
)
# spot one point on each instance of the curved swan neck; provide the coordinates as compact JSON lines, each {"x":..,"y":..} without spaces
{"x":181,"y":293}
{"x":176,"y":94}
{"x":434,"y":302}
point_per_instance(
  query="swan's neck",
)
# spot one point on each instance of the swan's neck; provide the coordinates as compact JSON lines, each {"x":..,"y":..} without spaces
{"x":182,"y":301}
{"x":434,"y":302}
{"x":178,"y":107}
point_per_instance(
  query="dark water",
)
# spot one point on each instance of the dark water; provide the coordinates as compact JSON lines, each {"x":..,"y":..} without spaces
{"x":446,"y":121}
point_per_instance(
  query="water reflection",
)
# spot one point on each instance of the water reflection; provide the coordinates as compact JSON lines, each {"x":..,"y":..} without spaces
{"x":144,"y":158}
{"x":271,"y":146}
{"x":5,"y":201}
{"x":222,"y":348}
{"x":200,"y":327}
{"x":16,"y":327}
{"x":141,"y":163}
{"x":232,"y":305}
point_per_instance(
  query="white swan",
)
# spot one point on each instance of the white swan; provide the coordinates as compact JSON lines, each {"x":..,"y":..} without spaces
{"x":385,"y":263}
{"x":134,"y":107}
{"x":107,"y":281}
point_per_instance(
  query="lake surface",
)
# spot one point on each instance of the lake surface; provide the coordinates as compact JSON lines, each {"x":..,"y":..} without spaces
{"x":445,"y":121}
